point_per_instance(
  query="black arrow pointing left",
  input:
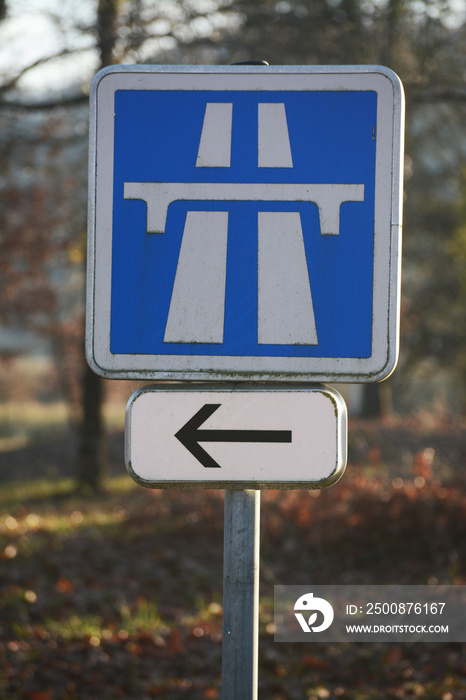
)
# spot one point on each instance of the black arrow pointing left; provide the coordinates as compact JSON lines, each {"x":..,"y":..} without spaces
{"x":190,"y":435}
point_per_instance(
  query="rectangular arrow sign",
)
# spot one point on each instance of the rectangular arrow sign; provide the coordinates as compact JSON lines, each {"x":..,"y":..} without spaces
{"x":237,"y":435}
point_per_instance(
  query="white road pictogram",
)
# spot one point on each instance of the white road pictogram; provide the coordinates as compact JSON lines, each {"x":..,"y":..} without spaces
{"x":285,"y":307}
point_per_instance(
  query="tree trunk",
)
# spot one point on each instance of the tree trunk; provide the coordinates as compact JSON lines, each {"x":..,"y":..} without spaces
{"x":376,"y":400}
{"x":106,"y":19}
{"x":92,"y":457}
{"x":92,"y":442}
{"x":371,"y":404}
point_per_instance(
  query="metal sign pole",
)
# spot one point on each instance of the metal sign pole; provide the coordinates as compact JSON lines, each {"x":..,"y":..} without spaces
{"x":240,"y":595}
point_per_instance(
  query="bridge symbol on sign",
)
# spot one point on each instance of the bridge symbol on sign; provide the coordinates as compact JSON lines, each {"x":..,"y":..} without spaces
{"x":285,"y":307}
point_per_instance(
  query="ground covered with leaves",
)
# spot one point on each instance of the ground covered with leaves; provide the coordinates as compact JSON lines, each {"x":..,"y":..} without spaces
{"x":119,"y":596}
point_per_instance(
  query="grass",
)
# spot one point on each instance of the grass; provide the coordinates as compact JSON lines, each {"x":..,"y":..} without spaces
{"x":106,"y":579}
{"x":33,"y":513}
{"x":27,"y":421}
{"x":23,"y":423}
{"x":143,"y":618}
{"x":54,"y":506}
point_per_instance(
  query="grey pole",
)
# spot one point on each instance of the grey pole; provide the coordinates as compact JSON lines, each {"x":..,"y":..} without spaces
{"x":240,"y":595}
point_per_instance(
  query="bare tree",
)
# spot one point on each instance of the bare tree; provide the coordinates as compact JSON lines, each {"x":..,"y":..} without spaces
{"x":92,"y":448}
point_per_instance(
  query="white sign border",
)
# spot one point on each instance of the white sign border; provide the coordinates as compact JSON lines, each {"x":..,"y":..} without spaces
{"x":387,"y":224}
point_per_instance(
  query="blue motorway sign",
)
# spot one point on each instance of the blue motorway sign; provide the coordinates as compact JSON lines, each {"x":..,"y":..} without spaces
{"x":245,"y":223}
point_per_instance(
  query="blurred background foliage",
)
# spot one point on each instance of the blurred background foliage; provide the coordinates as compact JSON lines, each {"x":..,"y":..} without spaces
{"x":49,"y":52}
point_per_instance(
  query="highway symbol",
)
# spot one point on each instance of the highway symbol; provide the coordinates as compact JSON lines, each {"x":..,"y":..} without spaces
{"x":190,"y":435}
{"x":236,"y":433}
{"x":285,"y":308}
{"x":245,"y":223}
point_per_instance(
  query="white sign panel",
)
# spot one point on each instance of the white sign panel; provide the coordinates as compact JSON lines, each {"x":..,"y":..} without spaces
{"x":236,"y":436}
{"x":245,"y":223}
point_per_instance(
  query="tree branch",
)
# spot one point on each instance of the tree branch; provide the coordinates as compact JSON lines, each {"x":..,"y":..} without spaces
{"x":40,"y":61}
{"x":45,"y":104}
